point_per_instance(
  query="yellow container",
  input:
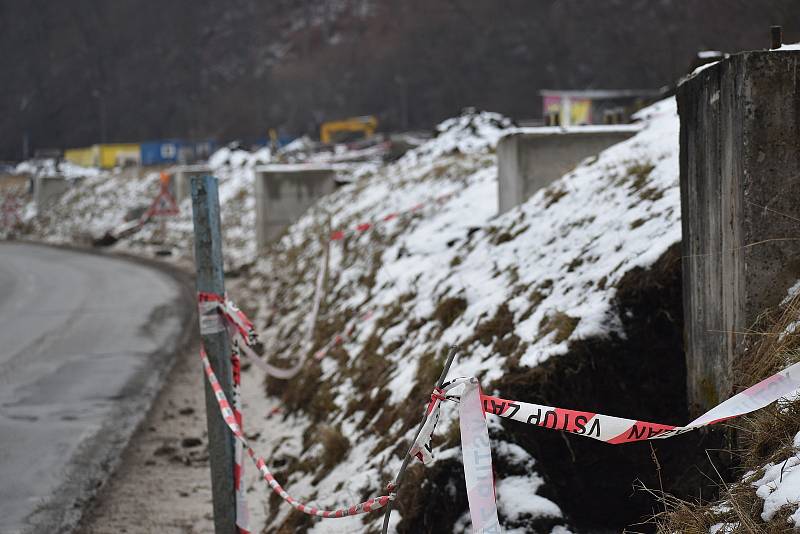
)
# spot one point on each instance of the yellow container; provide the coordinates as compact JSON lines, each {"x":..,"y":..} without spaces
{"x":80,"y":156}
{"x":110,"y":156}
{"x":105,"y":156}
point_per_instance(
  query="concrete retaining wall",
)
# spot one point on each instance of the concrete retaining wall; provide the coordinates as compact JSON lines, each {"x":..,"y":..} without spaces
{"x":740,"y":187}
{"x":531,"y":158}
{"x":47,"y":189}
{"x":180,"y":184}
{"x":285,"y":192}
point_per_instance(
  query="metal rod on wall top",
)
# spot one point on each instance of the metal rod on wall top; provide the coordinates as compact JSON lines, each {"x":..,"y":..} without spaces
{"x":776,"y":33}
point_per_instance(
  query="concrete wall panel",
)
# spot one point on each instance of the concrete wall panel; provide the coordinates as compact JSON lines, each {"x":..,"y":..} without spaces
{"x":284,"y":193}
{"x":180,"y":184}
{"x":533,"y":158}
{"x":740,"y":202}
{"x":47,"y":190}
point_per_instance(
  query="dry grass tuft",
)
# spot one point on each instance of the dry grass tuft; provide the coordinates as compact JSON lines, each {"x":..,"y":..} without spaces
{"x":562,"y":324}
{"x":764,"y":436}
{"x":553,"y":195}
{"x":335,"y":446}
{"x":449,"y":309}
{"x":638,"y":172}
{"x":495,"y":328}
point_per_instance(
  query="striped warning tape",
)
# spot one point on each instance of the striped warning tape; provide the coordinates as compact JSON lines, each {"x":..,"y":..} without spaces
{"x":242,"y":512}
{"x":211,"y":322}
{"x":613,"y":430}
{"x":338,"y":235}
{"x":617,"y":430}
{"x":9,"y":211}
{"x":230,"y":419}
{"x":473,"y":405}
{"x":244,"y":334}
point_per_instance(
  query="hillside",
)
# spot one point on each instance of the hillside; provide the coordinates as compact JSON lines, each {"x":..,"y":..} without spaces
{"x":572,"y":299}
{"x":514,"y":292}
{"x":90,"y":71}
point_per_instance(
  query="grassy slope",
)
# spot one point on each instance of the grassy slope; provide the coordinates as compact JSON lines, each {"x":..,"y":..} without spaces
{"x":768,"y":445}
{"x":512,"y":291}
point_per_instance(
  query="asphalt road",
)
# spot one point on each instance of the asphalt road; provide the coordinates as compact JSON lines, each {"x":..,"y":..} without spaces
{"x":85,"y":341}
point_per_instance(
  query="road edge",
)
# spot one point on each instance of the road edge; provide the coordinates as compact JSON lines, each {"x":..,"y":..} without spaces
{"x":100,"y":456}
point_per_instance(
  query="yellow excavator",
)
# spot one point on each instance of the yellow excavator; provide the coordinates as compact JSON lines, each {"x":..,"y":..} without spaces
{"x":330,"y":131}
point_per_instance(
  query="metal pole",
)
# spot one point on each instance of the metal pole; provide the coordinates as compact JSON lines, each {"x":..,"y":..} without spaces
{"x":776,"y":33}
{"x":400,"y":474}
{"x":211,"y":279}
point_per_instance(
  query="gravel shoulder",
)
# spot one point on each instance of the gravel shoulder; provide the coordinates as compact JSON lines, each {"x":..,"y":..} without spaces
{"x":163,"y":481}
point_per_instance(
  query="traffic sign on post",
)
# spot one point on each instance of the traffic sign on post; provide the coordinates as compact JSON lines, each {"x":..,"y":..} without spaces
{"x":164,"y":203}
{"x":210,"y":279}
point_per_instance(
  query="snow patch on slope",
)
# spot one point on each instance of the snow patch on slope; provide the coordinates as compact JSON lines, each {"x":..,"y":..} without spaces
{"x":519,"y":287}
{"x":524,"y":285}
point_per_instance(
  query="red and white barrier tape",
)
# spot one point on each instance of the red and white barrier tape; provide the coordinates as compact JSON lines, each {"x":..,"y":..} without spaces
{"x":338,"y":235}
{"x":616,"y":430}
{"x":242,"y":512}
{"x":10,"y":211}
{"x":475,"y":438}
{"x":229,"y":416}
{"x":212,"y":320}
{"x":613,"y":430}
{"x":244,"y":334}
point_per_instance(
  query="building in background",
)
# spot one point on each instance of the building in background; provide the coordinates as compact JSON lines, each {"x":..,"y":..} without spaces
{"x":162,"y":152}
{"x":171,"y":151}
{"x":106,"y":156}
{"x":593,"y":106}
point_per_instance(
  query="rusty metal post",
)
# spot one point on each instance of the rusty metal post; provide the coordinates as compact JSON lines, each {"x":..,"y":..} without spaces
{"x":776,"y":32}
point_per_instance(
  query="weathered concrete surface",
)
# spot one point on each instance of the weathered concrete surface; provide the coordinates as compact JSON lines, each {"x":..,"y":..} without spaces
{"x":284,"y":192}
{"x":740,"y":202}
{"x":47,"y":189}
{"x":180,"y":183}
{"x":85,"y":342}
{"x":529,"y":159}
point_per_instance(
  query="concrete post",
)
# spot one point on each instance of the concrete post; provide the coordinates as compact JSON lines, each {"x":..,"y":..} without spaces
{"x":532,"y":158}
{"x":285,"y":192}
{"x":47,"y":190}
{"x":740,"y":203}
{"x":181,"y":176}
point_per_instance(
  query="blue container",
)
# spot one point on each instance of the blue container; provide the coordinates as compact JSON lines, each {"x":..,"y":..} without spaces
{"x":171,"y":151}
{"x":204,"y":149}
{"x":160,"y":152}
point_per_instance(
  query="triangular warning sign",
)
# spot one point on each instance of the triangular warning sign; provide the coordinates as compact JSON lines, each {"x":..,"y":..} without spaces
{"x":164,"y":203}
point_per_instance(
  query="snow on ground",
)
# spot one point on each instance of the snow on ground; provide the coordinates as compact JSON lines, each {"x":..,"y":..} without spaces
{"x":450,"y":272}
{"x":102,"y":201}
{"x":780,"y":486}
{"x":50,"y":167}
{"x":517,"y":288}
{"x":777,"y":485}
